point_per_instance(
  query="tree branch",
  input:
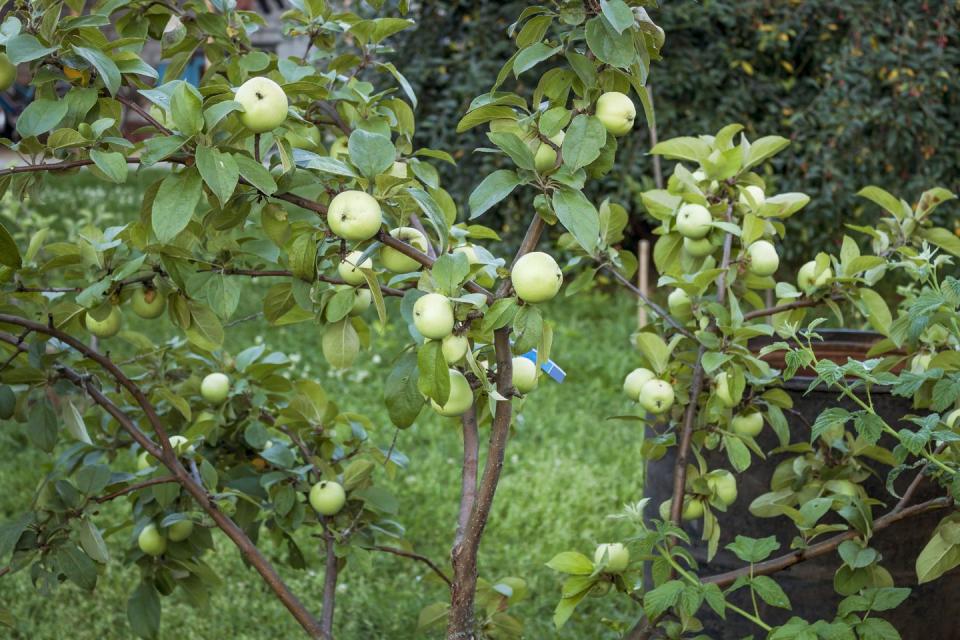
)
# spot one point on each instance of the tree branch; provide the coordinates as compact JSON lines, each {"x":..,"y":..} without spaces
{"x":796,"y":304}
{"x":134,"y":487}
{"x":283,"y":273}
{"x":414,"y":556}
{"x":468,"y":476}
{"x":657,"y":309}
{"x":329,"y":584}
{"x":425,"y":260}
{"x":331,"y":111}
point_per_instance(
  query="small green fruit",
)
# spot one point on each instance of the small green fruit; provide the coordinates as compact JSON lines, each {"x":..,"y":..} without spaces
{"x":723,"y":485}
{"x":151,"y":541}
{"x":398,"y":262}
{"x":536,"y":277}
{"x":460,"y":399}
{"x":349,"y":268}
{"x":524,"y":374}
{"x":354,"y":215}
{"x":617,"y":112}
{"x":454,"y":348}
{"x":433,"y":316}
{"x":693,"y":221}
{"x":748,"y":424}
{"x":763,"y":258}
{"x":617,"y":556}
{"x":635,"y":381}
{"x":680,"y":305}
{"x":148,"y":303}
{"x":545,"y":160}
{"x":698,"y":248}
{"x":215,"y":387}
{"x":656,"y":396}
{"x":106,"y":328}
{"x":808,"y":279}
{"x":180,"y":530}
{"x":327,"y":497}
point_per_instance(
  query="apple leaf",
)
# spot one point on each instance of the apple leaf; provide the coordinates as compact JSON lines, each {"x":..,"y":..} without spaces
{"x":372,"y":153}
{"x":655,"y":350}
{"x":938,"y":557}
{"x":898,"y":208}
{"x":25,"y":47}
{"x":255,"y":173}
{"x":764,"y":149}
{"x":683,"y":148}
{"x":113,"y":164}
{"x":494,"y":188}
{"x":584,"y":139}
{"x":514,"y":147}
{"x":219,"y":171}
{"x":176,"y":200}
{"x":340,"y":344}
{"x":572,"y":563}
{"x":531,"y":56}
{"x":205,"y":330}
{"x":616,"y":49}
{"x":40,"y":116}
{"x":106,"y":68}
{"x":143,"y":611}
{"x":401,"y":394}
{"x":186,"y":108}
{"x":579,"y":216}
{"x":9,"y":253}
{"x":618,"y":14}
{"x":943,"y":238}
{"x":434,"y":374}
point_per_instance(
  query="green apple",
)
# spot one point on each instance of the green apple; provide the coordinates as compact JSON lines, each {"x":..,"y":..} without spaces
{"x":807,"y":278}
{"x":215,"y":387}
{"x":617,"y":112}
{"x":545,"y":159}
{"x":454,"y":348}
{"x":340,"y":147}
{"x":180,"y":530}
{"x":349,"y":268}
{"x":692,"y":509}
{"x":693,"y":221}
{"x":752,"y":196}
{"x":151,"y":541}
{"x":483,"y":277}
{"x":460,"y":399}
{"x":951,"y":419}
{"x":536,"y":277}
{"x":749,"y":423}
{"x":362,"y":297}
{"x":327,"y":497}
{"x":433,"y":316}
{"x":106,"y":328}
{"x":723,"y":485}
{"x":656,"y":396}
{"x":305,"y":136}
{"x":264,"y":104}
{"x":397,"y":262}
{"x":8,"y":72}
{"x":763,"y":258}
{"x":722,"y":389}
{"x":680,"y":305}
{"x":617,"y":556}
{"x":698,"y":248}
{"x":635,"y":381}
{"x":524,"y":374}
{"x":144,"y":461}
{"x":354,"y":215}
{"x":148,"y":303}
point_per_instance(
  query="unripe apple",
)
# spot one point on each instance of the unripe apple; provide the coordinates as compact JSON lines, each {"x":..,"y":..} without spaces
{"x":545,"y":160}
{"x":635,"y":381}
{"x":180,"y":530}
{"x":144,"y":461}
{"x":656,"y":396}
{"x":397,"y":262}
{"x":151,"y":541}
{"x":148,"y":303}
{"x":951,"y":419}
{"x":753,"y":192}
{"x":698,"y":248}
{"x":354,"y":215}
{"x":349,"y":268}
{"x":460,"y":399}
{"x":361,"y":301}
{"x":808,"y":279}
{"x":693,"y":221}
{"x":524,"y":374}
{"x":482,"y":277}
{"x":8,"y":72}
{"x":617,"y":112}
{"x":536,"y":277}
{"x":106,"y":328}
{"x":433,"y":316}
{"x":340,"y":147}
{"x":215,"y":387}
{"x":723,"y":485}
{"x":327,"y":497}
{"x":264,"y":104}
{"x":763,"y":257}
{"x":749,"y":423}
{"x":722,"y":389}
{"x":680,"y":305}
{"x":692,"y":509}
{"x":618,"y":557}
{"x":454,"y":348}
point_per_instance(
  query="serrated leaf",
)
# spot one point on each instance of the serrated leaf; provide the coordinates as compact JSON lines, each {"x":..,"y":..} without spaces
{"x":175,"y":203}
{"x":106,"y":68}
{"x":219,"y":171}
{"x":578,"y":215}
{"x":494,"y":188}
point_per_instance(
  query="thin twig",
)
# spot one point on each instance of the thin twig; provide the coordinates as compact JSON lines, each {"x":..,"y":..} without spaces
{"x":414,"y":556}
{"x":654,"y":307}
{"x":135,"y":487}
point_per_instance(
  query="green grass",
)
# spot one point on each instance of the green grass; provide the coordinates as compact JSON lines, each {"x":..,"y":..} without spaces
{"x":566,"y":469}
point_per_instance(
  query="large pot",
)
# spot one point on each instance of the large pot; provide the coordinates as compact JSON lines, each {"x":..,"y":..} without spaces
{"x":809,"y":584}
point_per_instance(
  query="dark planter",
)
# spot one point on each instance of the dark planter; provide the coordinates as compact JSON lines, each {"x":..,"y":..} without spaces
{"x":809,"y":584}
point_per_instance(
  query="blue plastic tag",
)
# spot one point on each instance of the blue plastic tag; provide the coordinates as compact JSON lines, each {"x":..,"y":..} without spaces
{"x":549,"y":367}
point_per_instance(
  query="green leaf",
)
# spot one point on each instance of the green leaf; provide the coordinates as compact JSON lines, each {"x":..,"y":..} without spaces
{"x":770,"y":592}
{"x":401,"y":80}
{"x":112,"y":163}
{"x":255,"y":173}
{"x":764,"y":149}
{"x":9,"y":253}
{"x":484,"y":114}
{"x":214,"y":114}
{"x":618,"y":14}
{"x":886,"y":200}
{"x":753,"y":549}
{"x":74,"y":423}
{"x":223,"y":295}
{"x":616,"y":49}
{"x":77,"y":566}
{"x":401,"y":394}
{"x":531,"y":56}
{"x":939,"y":236}
{"x":434,"y":374}
{"x":655,"y":350}
{"x":372,"y":153}
{"x":583,"y":141}
{"x":92,"y":542}
{"x":433,"y":212}
{"x":877,"y":629}
{"x":25,"y":47}
{"x":10,"y":532}
{"x":578,"y":215}
{"x":514,"y":147}
{"x":572,"y":563}
{"x":143,"y":611}
{"x":303,"y":258}
{"x":205,"y":330}
{"x":174,"y":205}
{"x":683,"y":148}
{"x":186,"y":107}
{"x":106,"y":68}
{"x":937,"y":557}
{"x":340,"y":344}
{"x":659,"y":600}
{"x":878,"y":313}
{"x":219,"y":171}
{"x":494,"y":188}
{"x":41,"y":116}
{"x":42,"y":426}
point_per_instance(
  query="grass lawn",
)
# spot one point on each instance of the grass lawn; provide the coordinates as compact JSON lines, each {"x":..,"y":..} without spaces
{"x":567,"y":468}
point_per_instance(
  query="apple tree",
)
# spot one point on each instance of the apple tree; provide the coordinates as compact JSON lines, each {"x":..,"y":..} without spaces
{"x":302,"y":171}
